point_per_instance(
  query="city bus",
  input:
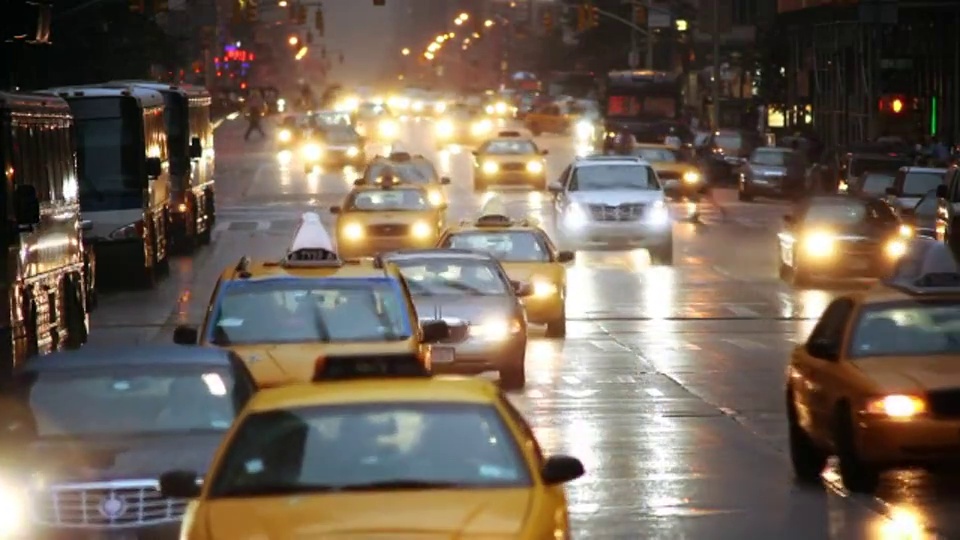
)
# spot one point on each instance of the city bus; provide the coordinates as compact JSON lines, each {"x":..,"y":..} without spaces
{"x":124,"y":179}
{"x":43,"y":253}
{"x":186,"y":115}
{"x":646,"y":103}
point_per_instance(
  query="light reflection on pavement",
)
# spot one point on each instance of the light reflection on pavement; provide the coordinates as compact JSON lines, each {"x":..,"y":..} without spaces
{"x":669,"y":385}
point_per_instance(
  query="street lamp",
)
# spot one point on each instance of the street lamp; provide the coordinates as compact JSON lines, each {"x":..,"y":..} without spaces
{"x":428,"y":55}
{"x":458,"y":22}
{"x":282,"y":3}
{"x":301,"y":53}
{"x":293,"y":41}
{"x":405,"y":51}
{"x":487,"y":23}
{"x":464,"y":16}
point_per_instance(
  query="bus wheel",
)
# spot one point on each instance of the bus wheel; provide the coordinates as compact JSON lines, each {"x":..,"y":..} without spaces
{"x":75,"y":315}
{"x":31,"y":337}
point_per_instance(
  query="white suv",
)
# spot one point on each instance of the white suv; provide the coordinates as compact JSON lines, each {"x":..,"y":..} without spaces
{"x":614,"y":200}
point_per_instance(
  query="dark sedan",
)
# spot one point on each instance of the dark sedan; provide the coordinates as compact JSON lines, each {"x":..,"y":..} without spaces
{"x":770,"y":172}
{"x":840,"y":236}
{"x":99,"y":425}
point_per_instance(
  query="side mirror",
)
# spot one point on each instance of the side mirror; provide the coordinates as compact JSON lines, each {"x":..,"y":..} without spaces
{"x":334,"y":209}
{"x":26,"y":206}
{"x":892,"y":191}
{"x":435,"y":331}
{"x":154,"y":167}
{"x":822,"y":349}
{"x":186,"y":335}
{"x":554,"y":187}
{"x":86,"y":225}
{"x":522,"y":290}
{"x":566,"y":256}
{"x":196,"y":149}
{"x":180,"y":485}
{"x":788,"y":220}
{"x":561,"y":469}
{"x":475,"y":153}
{"x":671,"y":188}
{"x":445,"y":180}
{"x":358,"y":182}
{"x":459,"y":330}
{"x":942,"y":191}
{"x":544,"y":152}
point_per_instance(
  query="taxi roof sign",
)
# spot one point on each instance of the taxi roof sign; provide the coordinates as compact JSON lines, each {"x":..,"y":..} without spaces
{"x":312,"y":245}
{"x":509,"y":134}
{"x":381,"y":366}
{"x":928,"y":267}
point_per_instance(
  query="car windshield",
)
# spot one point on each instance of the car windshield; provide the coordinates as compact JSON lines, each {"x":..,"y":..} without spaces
{"x":876,"y":184}
{"x":333,"y":119}
{"x":612,"y":177}
{"x":341,"y":136}
{"x":770,"y":158}
{"x":385,"y":200}
{"x":914,"y":328}
{"x":839,"y":213}
{"x":507,"y":246}
{"x":291,"y":310}
{"x":411,"y":172}
{"x":656,"y":155}
{"x":731,"y":142}
{"x":375,"y":447}
{"x":516,"y":147}
{"x":142,"y":399}
{"x":461,"y":277}
{"x":918,"y":184}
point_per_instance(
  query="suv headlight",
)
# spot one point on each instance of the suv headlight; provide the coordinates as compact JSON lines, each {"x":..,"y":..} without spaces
{"x":421,"y":230}
{"x":659,"y":214}
{"x":584,"y":129}
{"x":285,"y":135}
{"x":576,"y":215}
{"x":14,"y":522}
{"x":691,"y":177}
{"x":490,"y":167}
{"x":535,"y":167}
{"x":312,"y":151}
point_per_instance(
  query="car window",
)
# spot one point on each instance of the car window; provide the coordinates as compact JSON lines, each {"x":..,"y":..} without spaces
{"x":876,"y":184}
{"x":384,"y":200}
{"x":770,"y":158}
{"x":369,"y":447}
{"x":913,"y":328}
{"x":613,"y":177}
{"x":928,"y":205}
{"x":412,"y":172}
{"x":517,"y":147}
{"x":656,"y":155}
{"x":507,"y":246}
{"x":288,"y":310}
{"x":118,"y":400}
{"x":457,"y":277}
{"x":917,"y":184}
{"x":836,"y":213}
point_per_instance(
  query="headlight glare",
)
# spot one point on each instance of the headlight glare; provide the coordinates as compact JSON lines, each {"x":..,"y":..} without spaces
{"x":906,"y":231}
{"x":389,"y":129}
{"x":353,"y":151}
{"x":285,"y":135}
{"x":896,"y":406}
{"x":353,"y":231}
{"x":435,"y":198}
{"x":584,"y":129}
{"x":312,"y":151}
{"x":896,"y":249}
{"x":535,"y":167}
{"x":445,"y":128}
{"x":543,"y":289}
{"x":576,"y":216}
{"x":819,"y":245}
{"x":691,"y":177}
{"x":421,"y":230}
{"x":495,"y":330}
{"x":490,"y":167}
{"x":658,"y":215}
{"x":13,"y":524}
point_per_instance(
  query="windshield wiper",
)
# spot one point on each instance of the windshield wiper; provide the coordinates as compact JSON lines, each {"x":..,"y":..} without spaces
{"x":462,"y":287}
{"x":276,"y":489}
{"x":399,"y":484}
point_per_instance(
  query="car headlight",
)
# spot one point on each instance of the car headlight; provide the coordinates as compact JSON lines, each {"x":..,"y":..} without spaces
{"x":353,"y":151}
{"x":906,"y":231}
{"x":481,"y":127}
{"x":819,"y":245}
{"x":658,"y":214}
{"x":488,"y":109}
{"x":584,"y":129}
{"x":389,"y":129}
{"x":14,"y":521}
{"x":445,"y":128}
{"x":490,"y":167}
{"x":575,"y":215}
{"x":691,"y":177}
{"x":435,"y":197}
{"x":544,"y":289}
{"x":285,"y":157}
{"x":417,"y":106}
{"x":128,"y":232}
{"x":440,"y":107}
{"x":285,"y":135}
{"x":353,"y":231}
{"x":535,"y":167}
{"x":421,"y":230}
{"x":895,"y":249}
{"x":500,"y":108}
{"x":495,"y":330}
{"x":312,"y":152}
{"x":896,"y":406}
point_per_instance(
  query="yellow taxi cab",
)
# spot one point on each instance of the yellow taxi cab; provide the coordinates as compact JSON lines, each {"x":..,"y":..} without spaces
{"x":409,"y":169}
{"x":509,"y":159}
{"x":279,"y":316}
{"x":549,"y":118}
{"x":681,"y":179}
{"x":378,"y":447}
{"x":528,"y":256}
{"x":877,"y":382}
{"x":386,"y":216}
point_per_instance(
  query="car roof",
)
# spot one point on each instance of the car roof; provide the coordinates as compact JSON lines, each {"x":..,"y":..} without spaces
{"x":129,"y":356}
{"x":380,"y":187}
{"x":930,"y":170}
{"x":612,"y":160}
{"x":443,"y":389}
{"x":146,"y":96}
{"x":511,"y":139}
{"x":438,"y":253}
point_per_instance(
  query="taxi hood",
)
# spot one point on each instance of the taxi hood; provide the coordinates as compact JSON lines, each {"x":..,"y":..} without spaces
{"x":275,"y":365}
{"x":909,"y":374}
{"x":528,"y":271}
{"x":401,"y":515}
{"x":385,"y":218}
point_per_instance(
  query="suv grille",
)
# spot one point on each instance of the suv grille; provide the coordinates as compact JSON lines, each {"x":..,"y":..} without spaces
{"x":106,"y":504}
{"x":513,"y":166}
{"x":388,"y":230}
{"x":623,"y":212}
{"x":858,"y":246}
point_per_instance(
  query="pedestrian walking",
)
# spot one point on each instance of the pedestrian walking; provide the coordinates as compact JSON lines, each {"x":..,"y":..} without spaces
{"x":254,"y":117}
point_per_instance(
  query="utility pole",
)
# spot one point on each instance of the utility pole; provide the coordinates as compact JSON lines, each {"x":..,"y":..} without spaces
{"x":715,"y":116}
{"x":634,"y":57}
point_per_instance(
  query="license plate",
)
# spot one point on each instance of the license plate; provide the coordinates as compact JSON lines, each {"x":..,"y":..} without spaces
{"x":442,"y":355}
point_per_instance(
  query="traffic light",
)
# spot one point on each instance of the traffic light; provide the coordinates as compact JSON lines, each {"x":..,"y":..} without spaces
{"x":253,"y":10}
{"x":895,"y":104}
{"x":301,"y":14}
{"x":594,"y":16}
{"x":583,"y":17}
{"x":640,"y":16}
{"x":548,"y":21}
{"x":318,"y":21}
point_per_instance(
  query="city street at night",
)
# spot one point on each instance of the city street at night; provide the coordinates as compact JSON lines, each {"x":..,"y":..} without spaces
{"x":670,"y":383}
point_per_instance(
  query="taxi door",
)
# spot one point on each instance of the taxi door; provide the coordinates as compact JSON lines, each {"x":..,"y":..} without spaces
{"x":545,"y":119}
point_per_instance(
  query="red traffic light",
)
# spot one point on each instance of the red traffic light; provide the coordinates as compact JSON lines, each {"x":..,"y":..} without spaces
{"x":896,"y":104}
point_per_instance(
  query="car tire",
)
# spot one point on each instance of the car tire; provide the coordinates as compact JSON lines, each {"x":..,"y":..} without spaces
{"x":558,"y":328}
{"x":662,"y":255}
{"x":857,"y":476}
{"x":807,"y":460}
{"x":513,"y":377}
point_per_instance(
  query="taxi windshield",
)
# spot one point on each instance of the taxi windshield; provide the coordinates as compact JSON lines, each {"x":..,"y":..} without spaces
{"x":846,"y":213}
{"x":145,"y":399}
{"x":370,"y":447}
{"x":399,"y":199}
{"x":656,"y":155}
{"x":460,"y":277}
{"x":507,"y":246}
{"x":612,"y":178}
{"x":299,"y":310}
{"x":915,"y":328}
{"x":918,"y":184}
{"x":411,"y":172}
{"x":518,"y":147}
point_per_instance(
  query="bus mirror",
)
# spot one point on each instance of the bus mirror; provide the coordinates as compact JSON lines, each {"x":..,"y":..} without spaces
{"x":27,"y":205}
{"x":154,"y":167}
{"x":196,"y":149}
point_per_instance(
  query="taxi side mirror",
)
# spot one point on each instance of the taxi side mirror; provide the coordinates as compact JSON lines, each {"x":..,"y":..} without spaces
{"x":942,"y":191}
{"x":186,"y":335}
{"x":179,"y":485}
{"x":522,"y":290}
{"x":892,"y":191}
{"x":566,"y":256}
{"x":475,"y":153}
{"x":196,"y":149}
{"x":544,"y":152}
{"x":358,"y":182}
{"x":445,"y":180}
{"x":823,"y":349}
{"x":561,"y":469}
{"x":554,"y":187}
{"x":435,"y":331}
{"x":335,"y":209}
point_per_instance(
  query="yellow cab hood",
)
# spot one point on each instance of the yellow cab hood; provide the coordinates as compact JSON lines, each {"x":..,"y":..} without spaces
{"x":911,"y":373}
{"x":527,"y":272}
{"x":490,"y":514}
{"x":279,"y":364}
{"x":679,"y":168}
{"x":511,"y":158}
{"x":386,"y":218}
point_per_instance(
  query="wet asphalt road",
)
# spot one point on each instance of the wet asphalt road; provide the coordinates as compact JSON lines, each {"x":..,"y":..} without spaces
{"x":669,"y":385}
